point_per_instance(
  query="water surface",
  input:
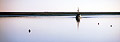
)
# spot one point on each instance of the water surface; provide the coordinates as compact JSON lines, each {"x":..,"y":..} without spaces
{"x":60,"y":29}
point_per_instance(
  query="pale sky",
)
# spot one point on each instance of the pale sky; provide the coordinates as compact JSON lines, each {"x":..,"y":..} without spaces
{"x":59,"y":5}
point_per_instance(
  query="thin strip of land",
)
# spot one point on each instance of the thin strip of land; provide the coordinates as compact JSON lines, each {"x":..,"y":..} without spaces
{"x":59,"y":13}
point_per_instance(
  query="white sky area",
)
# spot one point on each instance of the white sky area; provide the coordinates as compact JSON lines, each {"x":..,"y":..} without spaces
{"x":59,"y":5}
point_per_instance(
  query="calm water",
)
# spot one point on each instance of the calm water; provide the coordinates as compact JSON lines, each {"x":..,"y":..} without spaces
{"x":60,"y":29}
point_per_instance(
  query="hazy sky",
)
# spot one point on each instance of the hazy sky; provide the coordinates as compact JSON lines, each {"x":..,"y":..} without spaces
{"x":60,"y":5}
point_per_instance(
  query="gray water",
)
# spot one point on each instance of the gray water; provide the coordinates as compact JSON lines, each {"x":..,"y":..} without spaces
{"x":60,"y":29}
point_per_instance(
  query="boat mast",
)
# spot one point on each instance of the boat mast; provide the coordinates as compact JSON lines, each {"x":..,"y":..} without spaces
{"x":78,"y":10}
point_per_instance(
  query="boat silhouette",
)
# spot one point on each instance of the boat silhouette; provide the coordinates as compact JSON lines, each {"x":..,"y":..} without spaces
{"x":78,"y":18}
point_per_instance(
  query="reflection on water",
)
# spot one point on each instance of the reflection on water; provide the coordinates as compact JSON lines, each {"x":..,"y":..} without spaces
{"x":60,"y":29}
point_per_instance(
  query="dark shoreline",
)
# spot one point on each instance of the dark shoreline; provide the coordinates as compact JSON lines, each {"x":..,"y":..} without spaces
{"x":55,"y":13}
{"x":37,"y":13}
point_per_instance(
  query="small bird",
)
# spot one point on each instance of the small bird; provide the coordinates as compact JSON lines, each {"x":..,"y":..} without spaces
{"x":110,"y":25}
{"x":29,"y":30}
{"x":98,"y":23}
